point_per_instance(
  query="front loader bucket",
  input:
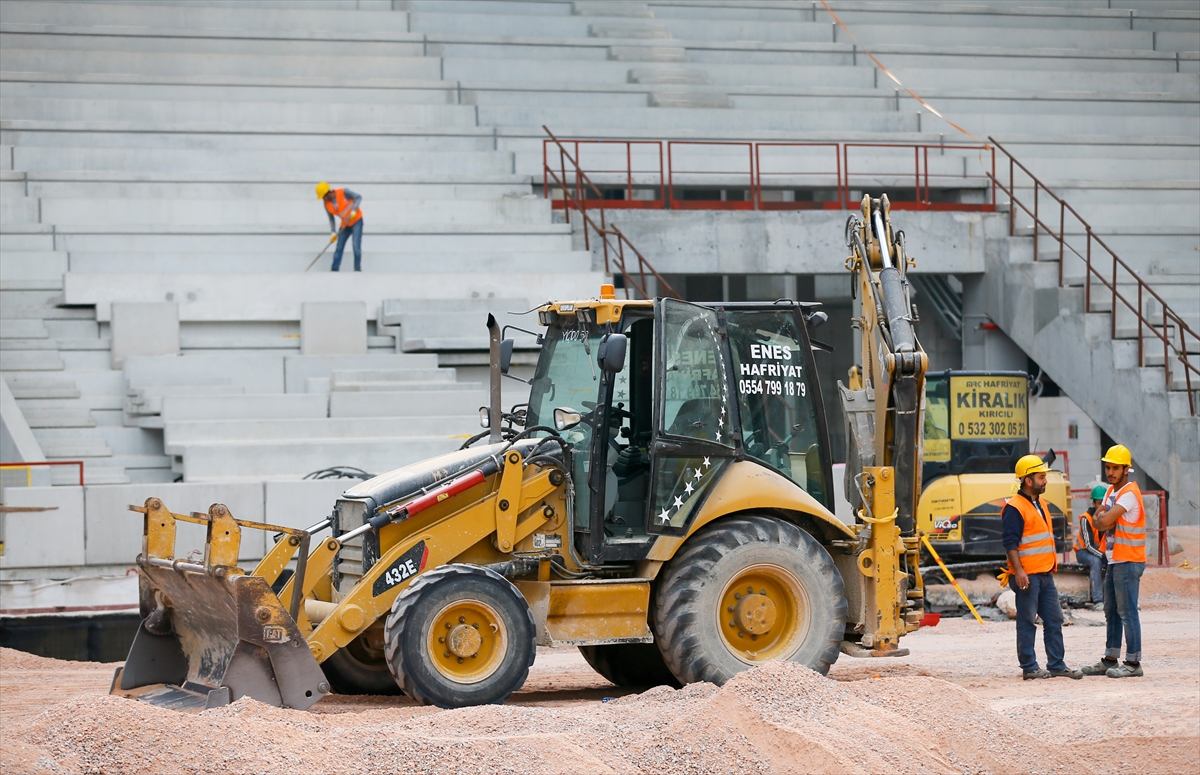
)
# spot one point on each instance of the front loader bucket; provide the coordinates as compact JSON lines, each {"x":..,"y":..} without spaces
{"x":215,"y":635}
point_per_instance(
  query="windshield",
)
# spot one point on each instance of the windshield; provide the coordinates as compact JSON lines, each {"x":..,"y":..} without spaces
{"x":567,"y":376}
{"x":937,"y":419}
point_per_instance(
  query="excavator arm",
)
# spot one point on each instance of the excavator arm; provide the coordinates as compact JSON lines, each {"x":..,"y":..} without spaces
{"x":884,"y":414}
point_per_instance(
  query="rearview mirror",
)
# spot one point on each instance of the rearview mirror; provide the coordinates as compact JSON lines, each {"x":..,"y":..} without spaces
{"x":610,"y":355}
{"x":566,"y":418}
{"x":506,"y":350}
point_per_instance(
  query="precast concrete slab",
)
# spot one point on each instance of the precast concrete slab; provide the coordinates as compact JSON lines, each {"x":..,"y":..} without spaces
{"x":177,"y":433}
{"x":248,"y":406}
{"x":239,"y":297}
{"x":407,"y":404}
{"x":253,"y":372}
{"x":51,"y":537}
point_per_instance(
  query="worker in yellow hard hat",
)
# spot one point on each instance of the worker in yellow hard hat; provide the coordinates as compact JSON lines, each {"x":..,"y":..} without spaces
{"x":1122,"y":517}
{"x":1028,"y":536}
{"x":345,"y":205}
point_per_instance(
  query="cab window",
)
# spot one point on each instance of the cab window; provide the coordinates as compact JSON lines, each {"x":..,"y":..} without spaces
{"x":776,"y":393}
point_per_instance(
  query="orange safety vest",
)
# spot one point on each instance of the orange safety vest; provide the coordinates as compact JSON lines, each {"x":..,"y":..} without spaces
{"x":340,"y":206}
{"x":1097,"y":536}
{"x":1036,"y":550}
{"x":1129,"y":541}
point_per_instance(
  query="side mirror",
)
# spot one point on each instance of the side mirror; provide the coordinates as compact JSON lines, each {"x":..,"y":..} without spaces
{"x":485,"y":417}
{"x":816,"y":319}
{"x":506,"y":350}
{"x":566,"y":418}
{"x":610,"y":355}
{"x":1049,"y":458}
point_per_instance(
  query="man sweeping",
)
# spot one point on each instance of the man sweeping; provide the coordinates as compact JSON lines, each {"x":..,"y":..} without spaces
{"x":344,"y":205}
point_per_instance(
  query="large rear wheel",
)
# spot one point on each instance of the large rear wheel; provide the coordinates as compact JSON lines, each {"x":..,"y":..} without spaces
{"x":744,"y":591}
{"x":460,"y":635}
{"x":630,"y":664}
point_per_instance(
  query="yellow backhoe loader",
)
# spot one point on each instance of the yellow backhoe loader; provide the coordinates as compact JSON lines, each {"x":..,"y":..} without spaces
{"x":664,"y":502}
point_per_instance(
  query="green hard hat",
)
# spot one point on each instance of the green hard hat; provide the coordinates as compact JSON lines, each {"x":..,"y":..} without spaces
{"x":1098,"y":492}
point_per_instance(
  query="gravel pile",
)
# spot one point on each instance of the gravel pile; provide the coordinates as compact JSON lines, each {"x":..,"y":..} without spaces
{"x":778,"y":718}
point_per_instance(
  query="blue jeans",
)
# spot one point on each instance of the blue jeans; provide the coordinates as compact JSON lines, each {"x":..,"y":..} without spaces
{"x":1121,"y":585}
{"x":354,"y":232}
{"x":1095,"y":574}
{"x":1041,"y":599}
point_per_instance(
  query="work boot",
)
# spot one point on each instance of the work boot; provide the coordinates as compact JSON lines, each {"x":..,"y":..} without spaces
{"x":1125,"y":670}
{"x":1041,"y":672}
{"x":1068,"y":673}
{"x":1100,"y":668}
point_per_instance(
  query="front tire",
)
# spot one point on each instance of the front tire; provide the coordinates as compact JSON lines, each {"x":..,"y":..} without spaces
{"x":460,"y":635}
{"x":749,"y":590}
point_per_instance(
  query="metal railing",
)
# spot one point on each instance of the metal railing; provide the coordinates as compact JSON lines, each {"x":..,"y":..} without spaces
{"x":614,"y":244}
{"x":30,"y":466}
{"x":1176,"y":337}
{"x":745,"y":175}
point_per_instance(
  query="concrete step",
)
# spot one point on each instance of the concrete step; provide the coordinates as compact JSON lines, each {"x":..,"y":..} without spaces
{"x":31,"y":360}
{"x":268,"y":459}
{"x":406,"y":404}
{"x":76,"y":449}
{"x":454,"y":187}
{"x":347,"y":377}
{"x":178,"y":433}
{"x":23,"y":329}
{"x":256,"y":162}
{"x":40,"y":386}
{"x":435,"y":239}
{"x":231,"y":262}
{"x":66,"y":417}
{"x":275,"y":15}
{"x":189,"y":88}
{"x":32,"y":270}
{"x":217,"y":407}
{"x":217,"y":112}
{"x":397,"y":213}
{"x":377,"y":386}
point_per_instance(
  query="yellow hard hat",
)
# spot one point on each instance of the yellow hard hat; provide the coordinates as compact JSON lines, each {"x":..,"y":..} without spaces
{"x":1118,"y":455}
{"x":322,"y":189}
{"x":1030,"y":464}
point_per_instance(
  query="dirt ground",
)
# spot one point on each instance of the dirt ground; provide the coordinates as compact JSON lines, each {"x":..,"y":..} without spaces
{"x":956,"y":705}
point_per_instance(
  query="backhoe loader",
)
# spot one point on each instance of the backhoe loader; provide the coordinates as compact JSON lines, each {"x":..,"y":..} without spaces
{"x":664,"y":502}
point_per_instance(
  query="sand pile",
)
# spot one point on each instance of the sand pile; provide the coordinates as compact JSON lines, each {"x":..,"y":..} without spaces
{"x":779,"y":718}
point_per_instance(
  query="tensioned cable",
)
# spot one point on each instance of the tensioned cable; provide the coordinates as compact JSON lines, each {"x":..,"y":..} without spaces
{"x":892,"y":75}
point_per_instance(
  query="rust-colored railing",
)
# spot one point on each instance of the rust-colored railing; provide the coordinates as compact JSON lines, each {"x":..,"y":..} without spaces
{"x":576,"y":188}
{"x":29,"y":468}
{"x":1059,"y":221}
{"x":689,"y":175}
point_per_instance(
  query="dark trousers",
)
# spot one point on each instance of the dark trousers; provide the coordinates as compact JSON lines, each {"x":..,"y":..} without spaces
{"x":354,"y":233}
{"x":1095,"y":574}
{"x":1121,"y":586}
{"x":1040,"y":599}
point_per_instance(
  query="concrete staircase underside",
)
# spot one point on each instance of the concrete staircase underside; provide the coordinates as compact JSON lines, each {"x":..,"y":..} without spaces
{"x":1129,"y":402}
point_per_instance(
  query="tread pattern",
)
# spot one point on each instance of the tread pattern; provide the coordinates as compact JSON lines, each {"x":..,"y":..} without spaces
{"x":399,"y":618}
{"x":678,"y":609}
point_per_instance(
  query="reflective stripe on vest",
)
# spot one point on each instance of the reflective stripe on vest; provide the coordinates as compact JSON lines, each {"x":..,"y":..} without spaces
{"x":341,"y":206}
{"x":1036,"y":550}
{"x":1085,"y":523}
{"x":1129,"y":541}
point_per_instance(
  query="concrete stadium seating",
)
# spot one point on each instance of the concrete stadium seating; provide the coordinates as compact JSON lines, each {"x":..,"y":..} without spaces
{"x":165,"y":151}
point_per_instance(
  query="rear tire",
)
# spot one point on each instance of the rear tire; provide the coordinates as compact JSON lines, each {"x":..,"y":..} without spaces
{"x":630,"y":664}
{"x":359,"y":669}
{"x":712,"y":619}
{"x":460,"y":635}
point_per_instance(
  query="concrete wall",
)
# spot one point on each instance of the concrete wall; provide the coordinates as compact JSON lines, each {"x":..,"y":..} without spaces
{"x":92,"y":525}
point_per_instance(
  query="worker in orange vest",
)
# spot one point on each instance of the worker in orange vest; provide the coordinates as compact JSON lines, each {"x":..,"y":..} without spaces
{"x":1089,"y":548}
{"x":345,"y":205}
{"x":1028,"y":536}
{"x":1123,"y":517}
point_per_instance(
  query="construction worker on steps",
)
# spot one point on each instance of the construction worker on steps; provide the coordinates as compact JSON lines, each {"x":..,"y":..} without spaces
{"x":1089,"y":548}
{"x":1123,"y":519}
{"x":345,"y":205}
{"x":1028,"y":536}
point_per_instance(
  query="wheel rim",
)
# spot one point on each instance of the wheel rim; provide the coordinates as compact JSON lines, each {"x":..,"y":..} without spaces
{"x":467,"y":641}
{"x":764,"y":614}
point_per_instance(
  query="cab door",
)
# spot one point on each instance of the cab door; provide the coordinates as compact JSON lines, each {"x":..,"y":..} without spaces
{"x":694,"y":432}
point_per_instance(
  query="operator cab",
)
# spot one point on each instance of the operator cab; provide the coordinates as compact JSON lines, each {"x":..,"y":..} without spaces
{"x":700,"y":387}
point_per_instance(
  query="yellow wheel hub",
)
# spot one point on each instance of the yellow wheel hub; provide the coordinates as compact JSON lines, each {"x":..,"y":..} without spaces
{"x":467,"y":641}
{"x":764,"y":614}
